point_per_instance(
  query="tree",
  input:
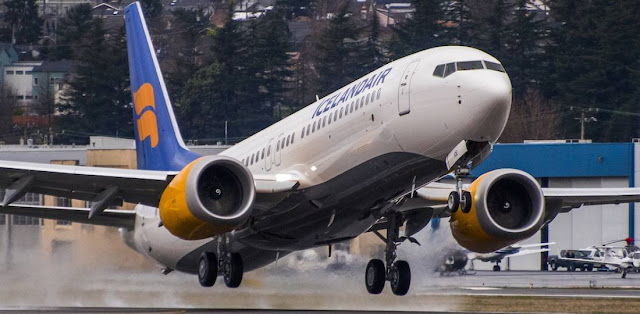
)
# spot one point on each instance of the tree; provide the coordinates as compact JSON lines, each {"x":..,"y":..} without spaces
{"x":424,"y":30}
{"x":70,"y":30}
{"x":594,"y":54}
{"x":372,"y":54}
{"x":533,"y":117}
{"x":23,"y":25}
{"x":337,"y":49}
{"x":151,"y":8}
{"x":7,"y":106}
{"x":99,"y":99}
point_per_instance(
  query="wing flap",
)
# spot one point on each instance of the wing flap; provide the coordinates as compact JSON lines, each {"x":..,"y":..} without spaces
{"x":109,"y":218}
{"x":86,"y":183}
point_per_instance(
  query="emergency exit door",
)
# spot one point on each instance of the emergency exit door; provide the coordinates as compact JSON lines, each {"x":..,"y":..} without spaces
{"x":404,"y":99}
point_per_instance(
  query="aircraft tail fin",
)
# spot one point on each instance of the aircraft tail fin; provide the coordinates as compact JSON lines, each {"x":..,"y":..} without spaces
{"x":159,"y":145}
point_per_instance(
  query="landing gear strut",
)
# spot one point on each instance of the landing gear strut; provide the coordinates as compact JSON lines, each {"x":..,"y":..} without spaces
{"x":398,"y":273}
{"x":229,"y":265}
{"x":459,"y":198}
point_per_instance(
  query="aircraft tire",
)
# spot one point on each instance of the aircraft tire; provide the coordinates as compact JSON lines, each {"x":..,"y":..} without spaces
{"x":207,"y":269}
{"x":466,"y":202}
{"x":453,"y":202}
{"x":401,"y":280}
{"x":496,"y":268}
{"x":233,"y":271}
{"x":374,"y":276}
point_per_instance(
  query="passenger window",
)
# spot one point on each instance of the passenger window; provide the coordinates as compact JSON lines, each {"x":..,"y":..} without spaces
{"x":494,"y":66}
{"x":341,"y":112}
{"x":367,"y":101}
{"x":302,"y":133}
{"x":319,"y":122}
{"x":469,"y":65}
{"x":262,"y":155}
{"x":293,"y":136}
{"x":439,"y":71}
{"x":288,"y":138}
{"x":314,"y":127}
{"x":379,"y":91}
{"x":252,"y":158}
{"x":363,"y":100}
{"x":282,"y":144}
{"x":330,"y":116}
{"x":308,"y":129}
{"x":449,"y":69}
{"x":246,"y":162}
{"x":268,"y":151}
{"x":346,"y":110}
{"x":324,"y":121}
{"x":278,"y":146}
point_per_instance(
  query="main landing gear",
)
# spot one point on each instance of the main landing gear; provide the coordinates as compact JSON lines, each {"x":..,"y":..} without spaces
{"x":398,"y":273}
{"x":229,"y":265}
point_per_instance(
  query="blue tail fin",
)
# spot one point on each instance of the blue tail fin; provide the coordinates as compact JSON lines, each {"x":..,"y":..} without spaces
{"x":159,"y":145}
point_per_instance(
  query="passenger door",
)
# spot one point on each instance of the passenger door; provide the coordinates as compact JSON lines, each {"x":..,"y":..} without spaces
{"x":404,"y":105}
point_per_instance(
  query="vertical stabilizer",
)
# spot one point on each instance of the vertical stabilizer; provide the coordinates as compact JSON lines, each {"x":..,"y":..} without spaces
{"x":159,"y":145}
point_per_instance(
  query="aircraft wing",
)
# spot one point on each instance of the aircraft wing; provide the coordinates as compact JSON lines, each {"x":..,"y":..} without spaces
{"x":526,"y":252}
{"x":576,"y":197}
{"x":110,"y":218}
{"x":83,"y":183}
{"x":567,"y":198}
{"x":102,"y":186}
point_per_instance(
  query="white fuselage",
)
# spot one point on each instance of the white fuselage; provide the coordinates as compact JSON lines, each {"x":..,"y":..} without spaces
{"x":400,"y":108}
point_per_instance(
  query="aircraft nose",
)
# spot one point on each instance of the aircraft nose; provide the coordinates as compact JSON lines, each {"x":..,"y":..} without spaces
{"x":492,"y":103}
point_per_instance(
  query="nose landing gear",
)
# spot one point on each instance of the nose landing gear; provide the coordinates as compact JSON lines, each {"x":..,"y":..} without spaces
{"x":398,"y":273}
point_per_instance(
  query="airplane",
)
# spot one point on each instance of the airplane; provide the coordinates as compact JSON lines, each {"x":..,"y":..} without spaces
{"x":622,"y":259}
{"x":362,"y":159}
{"x":509,"y":251}
{"x":456,"y":260}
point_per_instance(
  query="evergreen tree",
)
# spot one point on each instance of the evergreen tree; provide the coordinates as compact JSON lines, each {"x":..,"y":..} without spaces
{"x":99,"y":100}
{"x":337,"y":50}
{"x":22,"y":21}
{"x":424,"y":30}
{"x":523,"y":57}
{"x":70,"y":30}
{"x":371,"y":54}
{"x":151,"y":8}
{"x":594,"y":54}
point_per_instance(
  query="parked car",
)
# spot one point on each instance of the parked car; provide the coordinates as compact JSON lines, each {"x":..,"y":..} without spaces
{"x":571,"y":260}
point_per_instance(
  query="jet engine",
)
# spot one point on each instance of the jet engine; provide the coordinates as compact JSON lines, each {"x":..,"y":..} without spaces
{"x":507,"y":207}
{"x":210,"y":196}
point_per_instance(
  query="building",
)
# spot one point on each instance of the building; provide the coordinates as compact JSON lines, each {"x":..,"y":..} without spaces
{"x":8,"y":55}
{"x":18,"y":78}
{"x":54,"y":240}
{"x":58,"y":8}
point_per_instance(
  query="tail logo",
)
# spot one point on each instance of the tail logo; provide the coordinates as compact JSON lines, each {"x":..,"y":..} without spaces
{"x":145,"y":106}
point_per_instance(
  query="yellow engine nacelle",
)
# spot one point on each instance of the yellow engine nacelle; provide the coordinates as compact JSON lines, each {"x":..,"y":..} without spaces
{"x":210,"y":196}
{"x":507,"y":207}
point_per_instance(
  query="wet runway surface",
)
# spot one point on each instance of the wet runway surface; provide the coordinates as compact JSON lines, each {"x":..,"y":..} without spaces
{"x":277,"y":287}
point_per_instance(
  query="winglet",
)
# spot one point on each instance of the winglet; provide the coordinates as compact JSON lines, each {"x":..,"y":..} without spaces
{"x":159,"y":145}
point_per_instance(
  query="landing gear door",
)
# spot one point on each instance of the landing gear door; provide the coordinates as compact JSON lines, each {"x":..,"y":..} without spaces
{"x":404,"y":105}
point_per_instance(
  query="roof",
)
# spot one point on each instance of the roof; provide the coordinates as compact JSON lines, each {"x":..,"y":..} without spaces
{"x":562,"y":160}
{"x":55,"y":66}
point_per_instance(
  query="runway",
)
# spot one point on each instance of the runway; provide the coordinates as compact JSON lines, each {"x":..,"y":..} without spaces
{"x":338,"y":289}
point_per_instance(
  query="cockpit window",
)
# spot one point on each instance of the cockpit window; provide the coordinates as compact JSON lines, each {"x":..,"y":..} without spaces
{"x":469,"y":65}
{"x":494,"y":66}
{"x":439,"y":71}
{"x":449,"y":69}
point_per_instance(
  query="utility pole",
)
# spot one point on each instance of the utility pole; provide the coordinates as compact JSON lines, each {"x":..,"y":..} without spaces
{"x":583,"y":118}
